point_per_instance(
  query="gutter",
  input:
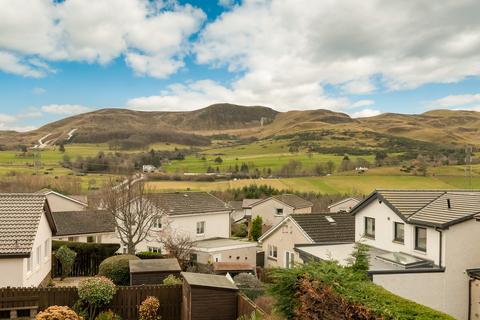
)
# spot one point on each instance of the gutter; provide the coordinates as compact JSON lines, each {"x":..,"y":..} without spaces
{"x":440,"y":233}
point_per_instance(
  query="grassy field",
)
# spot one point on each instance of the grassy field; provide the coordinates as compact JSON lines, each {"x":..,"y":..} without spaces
{"x":328,"y":185}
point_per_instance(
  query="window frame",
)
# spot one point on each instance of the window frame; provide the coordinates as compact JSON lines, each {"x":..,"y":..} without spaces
{"x":46,"y":249}
{"x":272,"y":252}
{"x":277,"y":210}
{"x":203,"y":225}
{"x":157,"y":222}
{"x":395,"y":234}
{"x":417,"y":247}
{"x":38,"y":256}
{"x":155,"y":249}
{"x":368,"y":235}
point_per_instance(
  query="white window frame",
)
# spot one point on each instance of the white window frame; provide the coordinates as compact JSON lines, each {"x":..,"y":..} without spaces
{"x":38,"y":256}
{"x":289,"y":259}
{"x":30,"y":263}
{"x":201,"y":225}
{"x":155,"y":249}
{"x":272,"y":252}
{"x":46,"y":249}
{"x":157,"y":223}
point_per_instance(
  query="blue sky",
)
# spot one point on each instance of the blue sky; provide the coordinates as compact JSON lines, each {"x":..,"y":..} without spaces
{"x":62,"y":58}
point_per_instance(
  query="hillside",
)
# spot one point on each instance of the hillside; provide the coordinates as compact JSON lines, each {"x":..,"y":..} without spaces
{"x":439,"y":126}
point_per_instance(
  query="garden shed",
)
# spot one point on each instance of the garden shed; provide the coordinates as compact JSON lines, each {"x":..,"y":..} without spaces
{"x":208,"y":297}
{"x":152,"y":271}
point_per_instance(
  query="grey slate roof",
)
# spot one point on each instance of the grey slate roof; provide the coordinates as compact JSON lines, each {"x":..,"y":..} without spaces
{"x":293,"y":201}
{"x":20,"y":215}
{"x":208,"y":280}
{"x":247,"y":203}
{"x":321,"y":230}
{"x":83,"y":222}
{"x":236,"y":205}
{"x":154,"y":265}
{"x":180,"y":203}
{"x":428,"y":207}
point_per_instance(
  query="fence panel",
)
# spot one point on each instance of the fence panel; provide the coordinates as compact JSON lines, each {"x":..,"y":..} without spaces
{"x":246,"y":306}
{"x":125,"y":302}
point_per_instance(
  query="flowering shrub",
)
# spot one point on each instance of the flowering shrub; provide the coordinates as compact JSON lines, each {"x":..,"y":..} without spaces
{"x":172,"y":280}
{"x":57,"y":313}
{"x":96,"y":292}
{"x":149,"y":309}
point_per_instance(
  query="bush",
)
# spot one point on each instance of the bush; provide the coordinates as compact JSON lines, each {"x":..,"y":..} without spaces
{"x":149,"y":255}
{"x":108,"y":315}
{"x":57,"y":313}
{"x":256,"y":228}
{"x":172,"y":280}
{"x":239,"y":230}
{"x":116,"y":268}
{"x":149,"y":309}
{"x":246,"y":280}
{"x":325,"y":286}
{"x":66,"y":257}
{"x":96,"y":292}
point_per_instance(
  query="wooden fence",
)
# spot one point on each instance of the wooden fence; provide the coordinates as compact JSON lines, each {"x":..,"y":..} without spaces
{"x":246,"y":306}
{"x":85,"y":265}
{"x":124,"y":303}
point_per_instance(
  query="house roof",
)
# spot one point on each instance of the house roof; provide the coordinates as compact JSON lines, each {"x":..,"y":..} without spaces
{"x":154,"y":265}
{"x":213,"y":244}
{"x":428,"y":207}
{"x":77,"y":198}
{"x":83,"y":222}
{"x":343,"y":201}
{"x":321,"y":227}
{"x":247,"y":203}
{"x":236,"y":205}
{"x":208,"y":280}
{"x":291,"y":200}
{"x":232,"y":266}
{"x":20,"y":215}
{"x":189,"y":203}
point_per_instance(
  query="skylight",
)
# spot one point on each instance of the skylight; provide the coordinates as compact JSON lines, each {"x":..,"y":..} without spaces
{"x":405,"y":260}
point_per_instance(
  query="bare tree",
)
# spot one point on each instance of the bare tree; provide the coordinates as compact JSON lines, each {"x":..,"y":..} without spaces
{"x":133,"y":210}
{"x":178,"y":245}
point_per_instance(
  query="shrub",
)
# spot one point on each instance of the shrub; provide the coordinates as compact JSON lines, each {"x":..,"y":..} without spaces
{"x":326,"y":286}
{"x":149,"y":309}
{"x":265,"y":303}
{"x":116,"y":268}
{"x":57,"y":313}
{"x":172,"y":280}
{"x":66,"y":257}
{"x":239,"y":230}
{"x":96,"y":292}
{"x":256,"y":228}
{"x":108,"y":315}
{"x":246,"y":280}
{"x":149,"y":255}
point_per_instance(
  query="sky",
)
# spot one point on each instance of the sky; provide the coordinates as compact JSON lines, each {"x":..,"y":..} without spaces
{"x":59,"y":58}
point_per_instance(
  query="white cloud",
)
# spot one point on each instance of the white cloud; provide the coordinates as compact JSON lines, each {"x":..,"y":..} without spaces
{"x":65,"y":109}
{"x":455,"y":101}
{"x":96,"y":32}
{"x":38,"y":90}
{"x":226,"y":3}
{"x":6,"y":118}
{"x":366,"y":113}
{"x":365,"y":44}
{"x":362,"y":103}
{"x":4,"y":126}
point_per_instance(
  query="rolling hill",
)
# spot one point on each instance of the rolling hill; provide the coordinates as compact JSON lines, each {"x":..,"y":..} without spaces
{"x":438,"y":126}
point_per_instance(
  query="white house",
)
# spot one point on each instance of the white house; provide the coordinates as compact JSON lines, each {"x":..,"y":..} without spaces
{"x":85,"y":226}
{"x":59,"y":202}
{"x":225,"y":250}
{"x":344,"y":205}
{"x":200,"y":215}
{"x":424,"y":246}
{"x":274,"y":209}
{"x":26,"y":228}
{"x":279,"y":242}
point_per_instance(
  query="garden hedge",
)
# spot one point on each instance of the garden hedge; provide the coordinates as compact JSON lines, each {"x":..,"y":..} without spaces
{"x":116,"y":268}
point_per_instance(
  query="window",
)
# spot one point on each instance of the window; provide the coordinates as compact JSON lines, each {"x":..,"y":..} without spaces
{"x":46,"y":249}
{"x":193,"y":257}
{"x":279,"y":212}
{"x":272,"y":251}
{"x":200,"y":227}
{"x":399,"y":232}
{"x":157,"y":223}
{"x":38,"y":255}
{"x":420,"y":239}
{"x":154,"y":249}
{"x":90,"y":239}
{"x":370,"y":227}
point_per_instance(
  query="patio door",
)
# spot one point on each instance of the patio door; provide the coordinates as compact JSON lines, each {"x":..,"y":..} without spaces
{"x":289,"y":259}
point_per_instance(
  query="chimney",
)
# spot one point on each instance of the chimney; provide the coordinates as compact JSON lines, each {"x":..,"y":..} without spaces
{"x":449,"y":204}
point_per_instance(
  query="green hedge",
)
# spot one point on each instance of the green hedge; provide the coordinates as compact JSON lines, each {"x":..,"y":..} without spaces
{"x":149,"y":255}
{"x":103,"y":250}
{"x":350,"y":285}
{"x":117,"y":269}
